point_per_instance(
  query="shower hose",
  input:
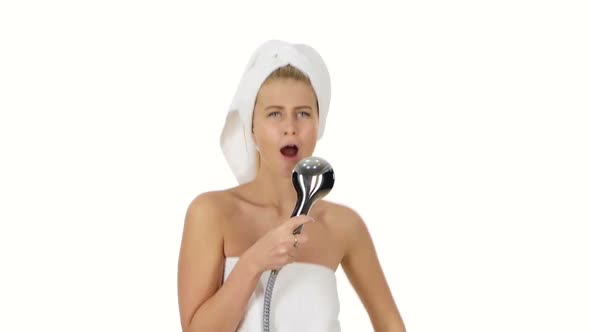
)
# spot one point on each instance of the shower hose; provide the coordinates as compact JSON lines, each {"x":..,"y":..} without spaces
{"x":268,"y":292}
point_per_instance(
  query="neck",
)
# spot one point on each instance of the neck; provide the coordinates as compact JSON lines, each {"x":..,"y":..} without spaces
{"x":275,"y":191}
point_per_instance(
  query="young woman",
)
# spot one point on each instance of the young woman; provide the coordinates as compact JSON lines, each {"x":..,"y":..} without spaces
{"x":232,"y":238}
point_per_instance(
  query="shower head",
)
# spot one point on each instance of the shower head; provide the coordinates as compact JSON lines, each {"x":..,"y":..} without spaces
{"x":313,"y":178}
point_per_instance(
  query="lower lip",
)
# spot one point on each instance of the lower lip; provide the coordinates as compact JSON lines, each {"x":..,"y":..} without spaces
{"x":293,"y":157}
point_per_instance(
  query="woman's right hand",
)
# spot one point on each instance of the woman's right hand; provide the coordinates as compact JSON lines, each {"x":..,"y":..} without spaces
{"x":276,"y":248}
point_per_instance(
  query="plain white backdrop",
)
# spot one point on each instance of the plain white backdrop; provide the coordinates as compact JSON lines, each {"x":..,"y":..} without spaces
{"x":458,"y":130}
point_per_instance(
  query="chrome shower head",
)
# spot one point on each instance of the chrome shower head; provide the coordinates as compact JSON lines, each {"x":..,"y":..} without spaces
{"x":313,"y":178}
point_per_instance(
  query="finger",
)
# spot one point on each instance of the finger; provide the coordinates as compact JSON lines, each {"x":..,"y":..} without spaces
{"x":299,"y":239}
{"x":299,"y":220}
{"x":292,"y":257}
{"x":283,"y":251}
{"x":302,"y":238}
{"x":291,"y":240}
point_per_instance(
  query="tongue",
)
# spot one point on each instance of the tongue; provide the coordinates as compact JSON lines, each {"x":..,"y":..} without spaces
{"x":289,"y":151}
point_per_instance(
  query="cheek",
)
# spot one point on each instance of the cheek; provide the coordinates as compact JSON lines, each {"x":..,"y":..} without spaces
{"x":267,"y":135}
{"x":311,"y":130}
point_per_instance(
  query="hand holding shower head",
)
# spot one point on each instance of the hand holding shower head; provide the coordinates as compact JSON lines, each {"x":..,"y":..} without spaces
{"x":313,"y":178}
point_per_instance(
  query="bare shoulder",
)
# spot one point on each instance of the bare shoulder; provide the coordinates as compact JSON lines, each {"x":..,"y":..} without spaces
{"x":346,"y":221}
{"x":209,"y":200}
{"x":203,"y":222}
{"x":344,"y":215}
{"x":210,"y":203}
{"x":205,"y":218}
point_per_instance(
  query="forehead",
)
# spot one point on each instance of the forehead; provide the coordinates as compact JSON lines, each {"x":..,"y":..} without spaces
{"x":286,"y":92}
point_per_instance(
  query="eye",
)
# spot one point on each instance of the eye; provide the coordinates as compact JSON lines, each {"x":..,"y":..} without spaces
{"x":273,"y":114}
{"x":306,"y":114}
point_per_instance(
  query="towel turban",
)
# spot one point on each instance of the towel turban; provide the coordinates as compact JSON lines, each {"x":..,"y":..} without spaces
{"x":236,"y":139}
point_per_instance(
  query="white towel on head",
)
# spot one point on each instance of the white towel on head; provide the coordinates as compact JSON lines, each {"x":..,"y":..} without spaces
{"x":236,"y":137}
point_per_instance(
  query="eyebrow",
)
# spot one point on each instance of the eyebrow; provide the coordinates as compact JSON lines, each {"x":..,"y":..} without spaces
{"x":281,"y":107}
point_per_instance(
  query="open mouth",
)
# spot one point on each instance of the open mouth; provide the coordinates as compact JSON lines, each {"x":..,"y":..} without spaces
{"x":289,"y":150}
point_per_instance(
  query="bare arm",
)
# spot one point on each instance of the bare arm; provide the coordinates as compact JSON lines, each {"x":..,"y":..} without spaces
{"x":365,"y":274}
{"x":205,"y":303}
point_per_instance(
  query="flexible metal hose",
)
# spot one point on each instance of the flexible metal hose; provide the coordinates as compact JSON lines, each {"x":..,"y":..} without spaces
{"x":267,"y":297}
{"x":268,"y":292}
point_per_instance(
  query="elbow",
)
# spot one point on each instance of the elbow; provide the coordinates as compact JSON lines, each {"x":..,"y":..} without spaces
{"x":197,"y":325}
{"x":204,"y":322}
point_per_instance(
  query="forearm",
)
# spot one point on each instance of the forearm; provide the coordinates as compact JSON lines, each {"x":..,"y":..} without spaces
{"x":388,"y":322}
{"x":223,"y":311}
{"x":397,"y":327}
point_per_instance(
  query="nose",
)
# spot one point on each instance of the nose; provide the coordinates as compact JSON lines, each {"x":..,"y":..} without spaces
{"x":290,"y":127}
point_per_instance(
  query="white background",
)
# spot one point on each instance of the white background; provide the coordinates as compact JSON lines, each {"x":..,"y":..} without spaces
{"x":457,"y":129}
